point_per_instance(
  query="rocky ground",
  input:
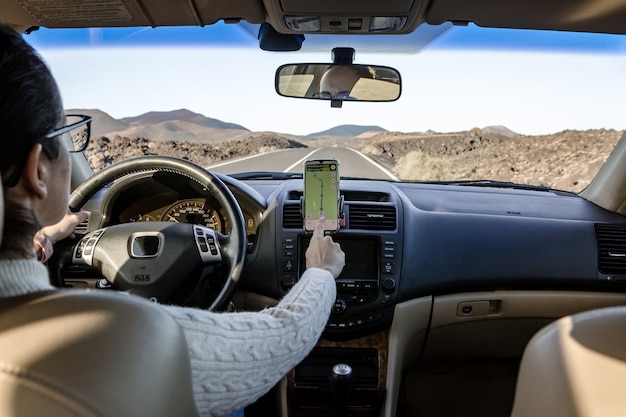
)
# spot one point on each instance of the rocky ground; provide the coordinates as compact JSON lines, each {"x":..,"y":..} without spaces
{"x":103,"y":151}
{"x":565,"y":160}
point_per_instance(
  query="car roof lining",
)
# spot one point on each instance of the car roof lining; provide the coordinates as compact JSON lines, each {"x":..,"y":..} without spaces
{"x":603,"y":16}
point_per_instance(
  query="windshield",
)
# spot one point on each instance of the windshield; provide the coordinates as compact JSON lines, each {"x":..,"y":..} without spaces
{"x":529,"y":107}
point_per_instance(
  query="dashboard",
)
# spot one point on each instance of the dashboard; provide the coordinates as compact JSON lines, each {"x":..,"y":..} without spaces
{"x":437,"y":277}
{"x":402,"y":240}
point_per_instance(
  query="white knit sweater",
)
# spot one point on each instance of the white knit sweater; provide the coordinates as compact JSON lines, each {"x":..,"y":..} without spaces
{"x":235,"y":357}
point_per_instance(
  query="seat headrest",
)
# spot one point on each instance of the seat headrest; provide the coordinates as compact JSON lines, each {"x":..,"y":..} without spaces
{"x":79,"y":353}
{"x":575,"y":366}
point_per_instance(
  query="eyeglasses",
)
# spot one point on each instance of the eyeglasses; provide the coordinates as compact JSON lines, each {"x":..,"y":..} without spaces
{"x":78,"y":128}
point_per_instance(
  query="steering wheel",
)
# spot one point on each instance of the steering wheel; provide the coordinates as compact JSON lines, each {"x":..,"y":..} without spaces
{"x":156,"y":259}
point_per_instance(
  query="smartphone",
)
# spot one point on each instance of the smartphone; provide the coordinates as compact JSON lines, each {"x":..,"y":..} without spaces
{"x":321,"y":193}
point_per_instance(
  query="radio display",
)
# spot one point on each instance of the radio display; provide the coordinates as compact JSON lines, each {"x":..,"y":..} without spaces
{"x":362,"y":256}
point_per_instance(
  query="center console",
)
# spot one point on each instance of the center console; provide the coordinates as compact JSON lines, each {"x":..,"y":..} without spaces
{"x":366,"y":288}
{"x":356,"y":334}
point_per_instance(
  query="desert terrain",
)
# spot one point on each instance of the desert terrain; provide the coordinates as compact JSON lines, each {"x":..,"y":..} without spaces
{"x":566,"y":160}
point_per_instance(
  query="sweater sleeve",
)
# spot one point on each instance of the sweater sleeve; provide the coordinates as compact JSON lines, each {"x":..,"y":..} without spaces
{"x":238,"y":357}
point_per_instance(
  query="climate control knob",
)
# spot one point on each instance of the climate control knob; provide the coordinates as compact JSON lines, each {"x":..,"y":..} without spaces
{"x":389,"y":285}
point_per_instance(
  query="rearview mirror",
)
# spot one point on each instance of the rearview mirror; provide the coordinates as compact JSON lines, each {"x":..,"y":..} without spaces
{"x":338,"y":83}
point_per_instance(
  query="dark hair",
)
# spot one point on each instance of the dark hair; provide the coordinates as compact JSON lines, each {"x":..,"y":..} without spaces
{"x":30,"y":102}
{"x":30,"y":108}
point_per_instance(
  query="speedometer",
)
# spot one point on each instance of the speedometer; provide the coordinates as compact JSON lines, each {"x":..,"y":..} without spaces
{"x":196,"y":212}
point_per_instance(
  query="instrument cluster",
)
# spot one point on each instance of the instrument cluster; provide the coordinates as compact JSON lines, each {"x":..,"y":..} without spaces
{"x":202,"y":211}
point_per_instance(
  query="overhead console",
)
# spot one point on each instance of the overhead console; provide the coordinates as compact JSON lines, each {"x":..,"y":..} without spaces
{"x":372,"y":242}
{"x":348,"y":16}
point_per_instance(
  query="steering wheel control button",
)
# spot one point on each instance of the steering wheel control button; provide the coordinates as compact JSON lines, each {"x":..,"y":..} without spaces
{"x":89,"y":247}
{"x":212,"y":247}
{"x":202,"y":244}
{"x":83,"y":252}
{"x":207,"y":244}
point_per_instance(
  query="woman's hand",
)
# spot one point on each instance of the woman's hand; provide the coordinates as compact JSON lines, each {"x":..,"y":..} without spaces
{"x":324,"y":253}
{"x":65,"y":227}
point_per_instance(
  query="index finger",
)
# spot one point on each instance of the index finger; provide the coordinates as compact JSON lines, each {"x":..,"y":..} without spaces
{"x":319,"y":229}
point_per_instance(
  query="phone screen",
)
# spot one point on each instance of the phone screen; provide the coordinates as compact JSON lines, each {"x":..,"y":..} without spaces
{"x":321,"y":193}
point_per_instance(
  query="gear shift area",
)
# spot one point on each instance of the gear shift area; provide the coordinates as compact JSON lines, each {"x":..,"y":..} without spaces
{"x":341,"y":381}
{"x":337,"y":381}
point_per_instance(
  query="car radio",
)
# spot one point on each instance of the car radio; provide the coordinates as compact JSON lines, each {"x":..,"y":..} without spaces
{"x":367,"y":283}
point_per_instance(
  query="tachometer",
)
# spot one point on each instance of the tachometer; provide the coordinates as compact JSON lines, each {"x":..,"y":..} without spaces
{"x":193,"y":211}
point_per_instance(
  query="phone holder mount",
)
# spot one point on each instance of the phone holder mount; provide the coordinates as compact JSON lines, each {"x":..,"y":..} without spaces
{"x":340,"y":208}
{"x":343,"y":56}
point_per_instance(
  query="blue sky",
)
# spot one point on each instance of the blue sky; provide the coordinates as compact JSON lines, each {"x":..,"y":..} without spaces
{"x":530,"y":81}
{"x":245,"y":36}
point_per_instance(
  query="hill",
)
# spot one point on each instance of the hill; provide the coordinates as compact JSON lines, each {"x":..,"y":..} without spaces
{"x":348,"y":131}
{"x":177,"y":125}
{"x":182,"y":115}
{"x":102,"y":122}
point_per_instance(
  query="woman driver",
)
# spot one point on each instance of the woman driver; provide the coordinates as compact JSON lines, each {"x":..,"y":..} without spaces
{"x":35,"y":169}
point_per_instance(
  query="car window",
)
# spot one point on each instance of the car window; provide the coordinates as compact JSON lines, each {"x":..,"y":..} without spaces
{"x":476,"y":104}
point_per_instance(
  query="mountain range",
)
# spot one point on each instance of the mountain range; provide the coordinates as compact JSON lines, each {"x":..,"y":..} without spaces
{"x":185,"y":125}
{"x":177,"y":125}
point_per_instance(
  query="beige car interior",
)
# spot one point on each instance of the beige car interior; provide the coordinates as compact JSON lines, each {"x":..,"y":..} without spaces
{"x":78,"y":353}
{"x":582,"y":364}
{"x":474,"y":355}
{"x":68,"y":353}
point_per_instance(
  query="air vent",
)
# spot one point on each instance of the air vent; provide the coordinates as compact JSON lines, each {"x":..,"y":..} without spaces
{"x":292,"y":219}
{"x":372,"y":217}
{"x":294,"y":195}
{"x":365,"y":196}
{"x":611,"y":248}
{"x":82,"y":227}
